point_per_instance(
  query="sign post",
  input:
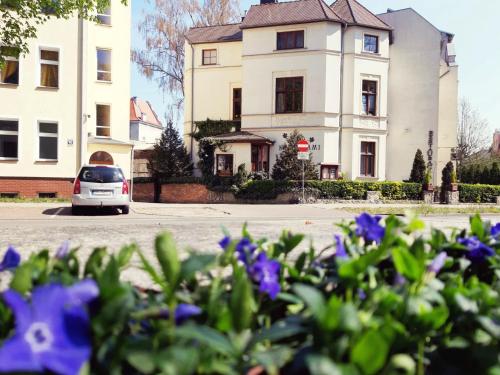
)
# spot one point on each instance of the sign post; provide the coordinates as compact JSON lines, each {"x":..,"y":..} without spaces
{"x":303,"y":154}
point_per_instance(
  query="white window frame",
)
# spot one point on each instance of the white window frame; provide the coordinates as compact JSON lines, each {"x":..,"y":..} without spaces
{"x":10,"y":58}
{"x":104,"y":71}
{"x":49,"y":62}
{"x":48,"y":135}
{"x":16,"y":133}
{"x":103,"y":127}
{"x":109,"y":16}
{"x":378,"y":43}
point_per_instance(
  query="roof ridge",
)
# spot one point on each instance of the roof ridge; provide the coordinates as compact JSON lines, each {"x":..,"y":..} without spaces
{"x":207,"y":26}
{"x":350,"y":11}
{"x":368,"y":10}
{"x":322,"y":8}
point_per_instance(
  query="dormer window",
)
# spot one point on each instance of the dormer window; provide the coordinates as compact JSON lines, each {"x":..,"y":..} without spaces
{"x":290,"y":40}
{"x":370,"y":43}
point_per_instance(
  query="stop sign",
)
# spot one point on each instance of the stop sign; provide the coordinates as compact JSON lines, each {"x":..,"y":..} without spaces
{"x":303,"y":145}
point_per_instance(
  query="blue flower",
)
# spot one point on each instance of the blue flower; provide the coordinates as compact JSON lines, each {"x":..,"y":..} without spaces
{"x":369,"y":228}
{"x":340,"y":251}
{"x":266,"y":272}
{"x":437,"y":263}
{"x":245,"y":250}
{"x":182,"y":313}
{"x":361,"y":294}
{"x":63,"y":250}
{"x":399,"y":280}
{"x":495,"y":231}
{"x":10,"y":260}
{"x":478,"y":251}
{"x":52,"y":334}
{"x":225,"y":242}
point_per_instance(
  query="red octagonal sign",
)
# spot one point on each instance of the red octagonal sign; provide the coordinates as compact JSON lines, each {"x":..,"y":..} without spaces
{"x":303,"y":145}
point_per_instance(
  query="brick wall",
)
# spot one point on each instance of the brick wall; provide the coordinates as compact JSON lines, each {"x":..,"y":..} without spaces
{"x":184,"y":193}
{"x":144,"y":192}
{"x":31,"y":187}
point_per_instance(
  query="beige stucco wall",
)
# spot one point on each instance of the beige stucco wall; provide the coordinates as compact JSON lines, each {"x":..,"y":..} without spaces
{"x":414,"y":94}
{"x":30,"y":104}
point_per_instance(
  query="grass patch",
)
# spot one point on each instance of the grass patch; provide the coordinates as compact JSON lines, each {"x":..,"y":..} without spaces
{"x":425,"y":210}
{"x":34,"y":200}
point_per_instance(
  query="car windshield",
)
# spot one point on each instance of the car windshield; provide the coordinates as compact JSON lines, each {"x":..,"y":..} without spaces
{"x":101,"y":174}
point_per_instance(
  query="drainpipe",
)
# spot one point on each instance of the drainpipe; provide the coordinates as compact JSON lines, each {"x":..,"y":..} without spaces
{"x":341,"y":101}
{"x":132,"y":157}
{"x":82,"y":78}
{"x":192,"y":100}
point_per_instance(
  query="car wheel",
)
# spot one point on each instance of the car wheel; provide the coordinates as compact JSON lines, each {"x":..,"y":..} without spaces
{"x":125,"y":210}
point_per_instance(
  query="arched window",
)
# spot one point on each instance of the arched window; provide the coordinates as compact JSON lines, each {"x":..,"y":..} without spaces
{"x":101,"y":158}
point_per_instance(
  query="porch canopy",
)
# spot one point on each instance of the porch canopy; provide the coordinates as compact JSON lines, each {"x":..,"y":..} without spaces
{"x":241,"y":137}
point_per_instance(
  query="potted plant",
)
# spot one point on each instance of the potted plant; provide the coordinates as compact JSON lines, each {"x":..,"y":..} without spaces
{"x":454,"y":181}
{"x":428,"y":181}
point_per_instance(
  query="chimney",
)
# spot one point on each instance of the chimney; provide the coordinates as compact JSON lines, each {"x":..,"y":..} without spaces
{"x":268,"y":1}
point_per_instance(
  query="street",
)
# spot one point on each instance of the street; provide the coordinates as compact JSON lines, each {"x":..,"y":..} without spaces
{"x":31,"y":227}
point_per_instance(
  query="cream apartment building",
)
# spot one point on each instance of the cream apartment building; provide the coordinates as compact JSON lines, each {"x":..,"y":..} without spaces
{"x":66,"y":104}
{"x":365,"y":90}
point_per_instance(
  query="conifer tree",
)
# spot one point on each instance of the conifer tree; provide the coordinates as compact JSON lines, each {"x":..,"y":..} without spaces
{"x":169,"y":157}
{"x":418,"y":171}
{"x":485,"y":175}
{"x":288,"y":166}
{"x":495,"y":174}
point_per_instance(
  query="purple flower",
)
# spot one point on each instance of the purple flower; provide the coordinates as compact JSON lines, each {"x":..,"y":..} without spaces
{"x":399,"y":280}
{"x":361,"y":294}
{"x":245,"y":250}
{"x":266,"y":272}
{"x":183,"y":312}
{"x":478,"y":251}
{"x":495,"y":231}
{"x":340,"y":251}
{"x":437,"y":263}
{"x":369,"y":228}
{"x":63,"y":250}
{"x":10,"y":260}
{"x":52,"y":333}
{"x":225,"y":242}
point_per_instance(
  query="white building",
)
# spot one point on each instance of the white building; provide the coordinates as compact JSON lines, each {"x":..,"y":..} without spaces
{"x":66,"y":104}
{"x":365,"y":90}
{"x":145,"y":125}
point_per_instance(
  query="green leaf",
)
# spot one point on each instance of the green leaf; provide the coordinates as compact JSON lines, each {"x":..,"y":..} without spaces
{"x":477,"y":227}
{"x":142,"y":361}
{"x":125,"y":255}
{"x":278,"y":331}
{"x":178,"y":360}
{"x":166,"y":252}
{"x":195,"y":263}
{"x":242,"y":304}
{"x":406,"y":264}
{"x":490,"y":326}
{"x":322,"y":365}
{"x":274,"y":358}
{"x":313,"y":299}
{"x":146,"y":266}
{"x":402,"y":364}
{"x":22,"y":282}
{"x":465,"y":304}
{"x":94,"y":264}
{"x":370,"y":352}
{"x":207,"y":336}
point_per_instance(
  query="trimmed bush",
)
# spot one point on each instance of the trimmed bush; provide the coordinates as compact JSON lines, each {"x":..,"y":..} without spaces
{"x":478,"y":193}
{"x":356,"y":190}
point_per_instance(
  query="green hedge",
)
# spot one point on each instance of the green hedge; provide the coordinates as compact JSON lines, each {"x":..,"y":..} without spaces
{"x":478,"y":193}
{"x":266,"y":190}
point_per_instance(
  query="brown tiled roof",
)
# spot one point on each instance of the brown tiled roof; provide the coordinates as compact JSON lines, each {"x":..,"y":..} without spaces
{"x":213,"y":34}
{"x":142,"y":110}
{"x":288,"y":13}
{"x":354,"y":13}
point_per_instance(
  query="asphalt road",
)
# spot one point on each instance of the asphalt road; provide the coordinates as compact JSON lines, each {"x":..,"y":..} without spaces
{"x":31,"y":227}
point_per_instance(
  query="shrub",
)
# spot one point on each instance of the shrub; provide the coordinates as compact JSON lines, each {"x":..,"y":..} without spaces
{"x":478,"y":193}
{"x":418,"y":170}
{"x":382,"y":299}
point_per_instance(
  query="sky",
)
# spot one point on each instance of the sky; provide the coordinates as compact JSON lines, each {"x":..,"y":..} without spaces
{"x":477,"y":42}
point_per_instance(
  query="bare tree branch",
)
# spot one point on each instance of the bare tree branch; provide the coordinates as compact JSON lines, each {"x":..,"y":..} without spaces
{"x":472,"y":135}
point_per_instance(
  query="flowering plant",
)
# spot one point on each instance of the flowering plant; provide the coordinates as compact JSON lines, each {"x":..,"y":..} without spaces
{"x":386,"y":297}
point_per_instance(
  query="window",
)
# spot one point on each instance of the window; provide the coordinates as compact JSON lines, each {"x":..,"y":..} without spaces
{"x":289,"y":93}
{"x":104,"y":17}
{"x":103,"y":117}
{"x":104,"y":65}
{"x":9,"y":74}
{"x":209,"y":56}
{"x":329,"y":172}
{"x":260,"y":158}
{"x":370,"y":43}
{"x":9,"y":195}
{"x":370,"y":98}
{"x":49,"y":68}
{"x":47,"y":146}
{"x":225,"y":165}
{"x":237,"y":104}
{"x":47,"y":195}
{"x":9,"y":132}
{"x":291,"y":40}
{"x":368,"y":159}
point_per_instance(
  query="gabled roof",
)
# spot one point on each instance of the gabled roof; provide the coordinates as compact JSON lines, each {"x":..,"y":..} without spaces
{"x":354,"y":13}
{"x":214,"y":34}
{"x":141,"y":110}
{"x":288,"y":13}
